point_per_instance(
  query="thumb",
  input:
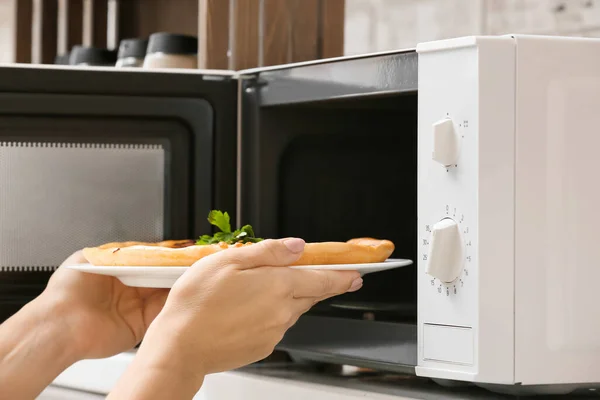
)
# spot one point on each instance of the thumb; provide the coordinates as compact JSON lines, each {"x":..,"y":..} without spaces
{"x":75,"y":258}
{"x":270,"y":252}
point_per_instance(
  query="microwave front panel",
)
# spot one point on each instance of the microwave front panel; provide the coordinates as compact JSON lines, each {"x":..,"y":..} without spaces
{"x":465,"y":210}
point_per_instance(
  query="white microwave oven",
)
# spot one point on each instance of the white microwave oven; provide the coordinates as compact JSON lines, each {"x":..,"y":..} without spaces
{"x":477,"y":156}
{"x":507,"y":211}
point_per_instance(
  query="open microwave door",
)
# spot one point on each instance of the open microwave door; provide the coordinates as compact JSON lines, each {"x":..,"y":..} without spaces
{"x":95,"y":155}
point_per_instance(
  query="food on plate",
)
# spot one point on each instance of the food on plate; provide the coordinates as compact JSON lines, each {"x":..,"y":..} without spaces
{"x":187,"y":252}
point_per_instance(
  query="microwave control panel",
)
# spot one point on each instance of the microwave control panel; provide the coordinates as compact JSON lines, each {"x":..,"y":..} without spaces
{"x":464,"y":88}
{"x":445,"y":240}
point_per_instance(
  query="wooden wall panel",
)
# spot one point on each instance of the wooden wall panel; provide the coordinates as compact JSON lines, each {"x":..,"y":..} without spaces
{"x":127,"y":25}
{"x":244,"y":53}
{"x":304,"y":23}
{"x":44,"y":25}
{"x":99,"y":19}
{"x":287,"y":31}
{"x":213,"y":34}
{"x":264,"y":32}
{"x":75,"y":23}
{"x":331,"y":32}
{"x":23,"y":34}
{"x":276,"y":38}
{"x":276,"y":33}
{"x":70,"y":25}
{"x":292,"y":31}
{"x":140,"y":18}
{"x":49,"y":31}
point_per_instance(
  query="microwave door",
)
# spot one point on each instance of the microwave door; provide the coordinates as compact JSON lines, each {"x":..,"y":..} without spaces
{"x":89,"y":156}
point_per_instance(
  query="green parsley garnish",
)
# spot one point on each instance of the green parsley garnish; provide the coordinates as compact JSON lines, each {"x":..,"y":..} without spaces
{"x":221,"y":221}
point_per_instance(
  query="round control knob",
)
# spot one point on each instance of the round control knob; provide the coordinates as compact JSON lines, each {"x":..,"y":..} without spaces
{"x":446,"y":144}
{"x":446,"y":251}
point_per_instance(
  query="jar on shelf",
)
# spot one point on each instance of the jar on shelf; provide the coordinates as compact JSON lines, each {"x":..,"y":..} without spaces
{"x":171,"y":50}
{"x":62,"y":59}
{"x":132,"y":53}
{"x":92,"y":56}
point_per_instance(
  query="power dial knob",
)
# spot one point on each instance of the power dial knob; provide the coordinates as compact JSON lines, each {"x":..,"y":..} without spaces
{"x":446,"y":143}
{"x":446,"y":251}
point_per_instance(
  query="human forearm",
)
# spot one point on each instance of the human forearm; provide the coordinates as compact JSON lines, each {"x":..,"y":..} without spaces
{"x":142,"y":382}
{"x":35,"y":347}
{"x":161,"y":369}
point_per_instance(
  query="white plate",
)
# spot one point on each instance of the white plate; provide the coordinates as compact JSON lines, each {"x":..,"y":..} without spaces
{"x":165,"y":277}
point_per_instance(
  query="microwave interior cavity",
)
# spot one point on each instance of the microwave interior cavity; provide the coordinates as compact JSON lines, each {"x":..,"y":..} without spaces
{"x":332,"y":171}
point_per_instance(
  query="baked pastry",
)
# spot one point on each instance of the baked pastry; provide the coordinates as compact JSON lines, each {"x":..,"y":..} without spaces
{"x":187,"y":252}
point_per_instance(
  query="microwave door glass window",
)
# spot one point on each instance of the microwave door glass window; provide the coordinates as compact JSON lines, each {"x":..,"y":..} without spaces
{"x":59,"y":197}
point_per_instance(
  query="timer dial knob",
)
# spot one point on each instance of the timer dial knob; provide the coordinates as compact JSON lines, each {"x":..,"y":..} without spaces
{"x":446,"y":251}
{"x":446,"y":144}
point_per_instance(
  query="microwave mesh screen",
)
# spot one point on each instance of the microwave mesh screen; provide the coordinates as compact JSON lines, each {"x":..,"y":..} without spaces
{"x":56,"y":198}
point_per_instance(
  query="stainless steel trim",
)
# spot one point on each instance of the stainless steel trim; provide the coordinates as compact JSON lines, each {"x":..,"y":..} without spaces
{"x":255,"y":71}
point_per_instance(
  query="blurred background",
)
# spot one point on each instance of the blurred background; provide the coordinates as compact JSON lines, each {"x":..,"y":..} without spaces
{"x":237,"y":34}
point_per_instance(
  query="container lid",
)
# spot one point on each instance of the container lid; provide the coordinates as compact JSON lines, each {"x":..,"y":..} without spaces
{"x":92,"y":56}
{"x":62,"y":59}
{"x":172,"y":43}
{"x":135,"y":48}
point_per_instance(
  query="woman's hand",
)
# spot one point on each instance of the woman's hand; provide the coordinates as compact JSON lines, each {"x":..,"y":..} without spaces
{"x":230,"y":309}
{"x":77,"y":316}
{"x":104,"y":317}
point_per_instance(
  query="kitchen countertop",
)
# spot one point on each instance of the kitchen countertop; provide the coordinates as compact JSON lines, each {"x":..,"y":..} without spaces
{"x":282,"y":381}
